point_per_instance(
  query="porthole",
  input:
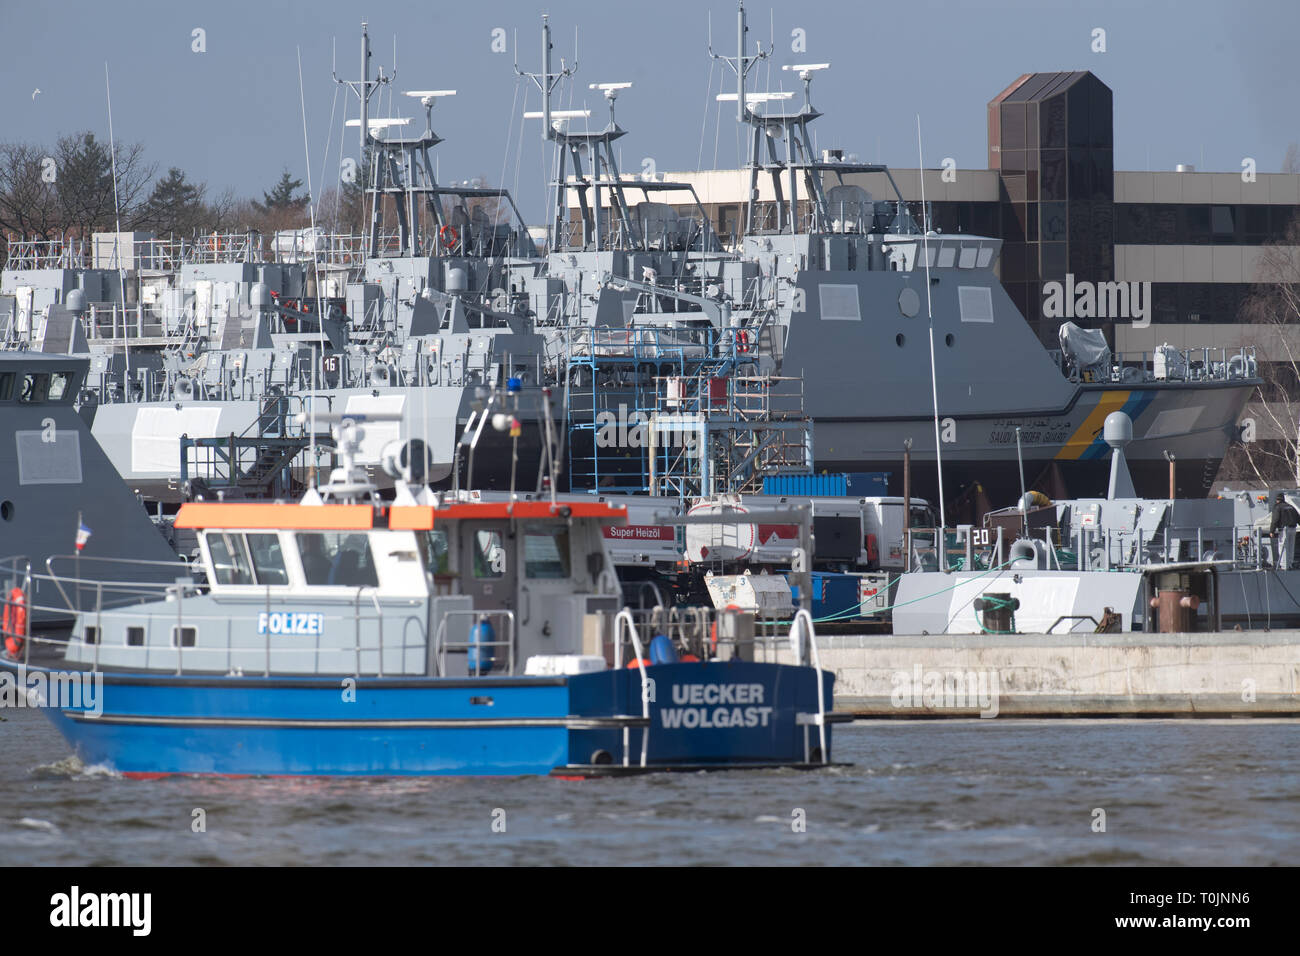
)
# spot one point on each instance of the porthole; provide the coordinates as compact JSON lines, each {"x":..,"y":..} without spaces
{"x":949,"y":339}
{"x":899,"y":340}
{"x":7,"y":510}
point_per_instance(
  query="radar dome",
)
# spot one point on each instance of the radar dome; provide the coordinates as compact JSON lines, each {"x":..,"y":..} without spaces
{"x":1118,"y":429}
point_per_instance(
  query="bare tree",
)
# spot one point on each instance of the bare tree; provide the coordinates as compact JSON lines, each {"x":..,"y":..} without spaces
{"x":29,"y":201}
{"x":1291,"y":161}
{"x":1276,"y":306}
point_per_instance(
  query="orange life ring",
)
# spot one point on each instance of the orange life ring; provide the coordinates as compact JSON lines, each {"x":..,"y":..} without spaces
{"x":449,"y":236}
{"x":15,"y":622}
{"x":742,"y":341}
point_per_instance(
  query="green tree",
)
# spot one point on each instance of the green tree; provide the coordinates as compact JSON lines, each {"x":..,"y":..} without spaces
{"x":175,"y":205}
{"x":281,"y":198}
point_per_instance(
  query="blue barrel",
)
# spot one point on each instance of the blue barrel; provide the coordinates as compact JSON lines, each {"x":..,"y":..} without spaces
{"x":662,"y":650}
{"x":482,"y":655}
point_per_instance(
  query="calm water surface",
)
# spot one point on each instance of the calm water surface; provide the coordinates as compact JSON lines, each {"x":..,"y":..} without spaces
{"x":920,"y":792}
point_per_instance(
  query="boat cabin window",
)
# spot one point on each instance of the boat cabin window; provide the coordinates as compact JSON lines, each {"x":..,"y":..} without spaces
{"x":489,"y":554}
{"x":546,"y":552}
{"x":6,"y":386}
{"x":229,"y":559}
{"x":58,"y":390}
{"x":337,"y":559}
{"x":434,"y":551}
{"x":32,"y":388}
{"x":268,"y":560}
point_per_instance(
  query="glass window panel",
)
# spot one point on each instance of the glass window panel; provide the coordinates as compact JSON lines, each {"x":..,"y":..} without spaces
{"x":1013,"y":262}
{"x":229,"y":558}
{"x":337,"y":559}
{"x":1221,"y":222}
{"x":33,"y":387}
{"x":489,"y":554}
{"x":435,"y":551}
{"x":268,"y":559}
{"x":1197,"y":224}
{"x":1103,"y":135}
{"x":1103,"y":175}
{"x":1080,"y":164}
{"x":1256,"y":228}
{"x":1013,"y":160}
{"x":1013,"y":222}
{"x":6,"y":386}
{"x":1080,"y":120}
{"x":1052,"y":181}
{"x":1053,"y":260}
{"x":1013,"y":127}
{"x":59,"y":382}
{"x":546,"y":552}
{"x":1052,"y":222}
{"x":1164,"y":224}
{"x":1051,"y":120}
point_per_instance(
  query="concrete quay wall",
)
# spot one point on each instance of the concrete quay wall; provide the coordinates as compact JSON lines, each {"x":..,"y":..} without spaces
{"x":1240,"y":673}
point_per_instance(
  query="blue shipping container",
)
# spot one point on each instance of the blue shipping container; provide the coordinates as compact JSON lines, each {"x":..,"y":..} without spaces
{"x":866,"y":484}
{"x":835,"y":595}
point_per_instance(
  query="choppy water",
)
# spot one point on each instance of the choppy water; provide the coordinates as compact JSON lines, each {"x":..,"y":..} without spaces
{"x":920,"y":792}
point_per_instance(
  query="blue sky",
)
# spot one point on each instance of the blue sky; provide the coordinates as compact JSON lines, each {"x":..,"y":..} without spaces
{"x":1201,"y":82}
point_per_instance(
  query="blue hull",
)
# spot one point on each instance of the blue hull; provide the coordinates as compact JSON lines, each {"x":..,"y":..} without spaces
{"x":702,"y":714}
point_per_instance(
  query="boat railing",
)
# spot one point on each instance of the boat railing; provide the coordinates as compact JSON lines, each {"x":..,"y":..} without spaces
{"x":625,"y":625}
{"x":442,"y":644}
{"x":1165,"y":364}
{"x":692,"y":631}
{"x":586,"y":345}
{"x":120,"y":593}
{"x":30,"y":254}
{"x":101,"y":602}
{"x":804,"y":635}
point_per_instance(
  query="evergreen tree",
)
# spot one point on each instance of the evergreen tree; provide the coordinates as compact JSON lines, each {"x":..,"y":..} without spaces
{"x":175,"y":206}
{"x":281,"y":198}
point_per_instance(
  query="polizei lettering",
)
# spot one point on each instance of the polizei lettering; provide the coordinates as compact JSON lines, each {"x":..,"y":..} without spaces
{"x":287,"y":622}
{"x":716,"y":706}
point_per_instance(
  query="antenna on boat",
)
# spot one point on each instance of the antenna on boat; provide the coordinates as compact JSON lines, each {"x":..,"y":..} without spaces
{"x":740,"y":63}
{"x":546,"y":81}
{"x":320,"y":298}
{"x":365,"y":88}
{"x":934,"y":378}
{"x":117,"y":242}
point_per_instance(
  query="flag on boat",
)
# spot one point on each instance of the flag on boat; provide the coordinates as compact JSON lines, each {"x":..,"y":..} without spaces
{"x":83,"y":535}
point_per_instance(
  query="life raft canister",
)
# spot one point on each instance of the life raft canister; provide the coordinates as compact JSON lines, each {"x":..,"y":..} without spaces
{"x":15,"y":622}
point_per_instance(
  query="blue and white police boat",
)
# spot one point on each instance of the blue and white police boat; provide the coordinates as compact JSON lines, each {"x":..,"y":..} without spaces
{"x":345,"y":635}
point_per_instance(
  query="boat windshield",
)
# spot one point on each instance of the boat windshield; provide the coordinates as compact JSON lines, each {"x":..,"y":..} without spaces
{"x":546,"y":552}
{"x":337,"y":559}
{"x":435,"y":552}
